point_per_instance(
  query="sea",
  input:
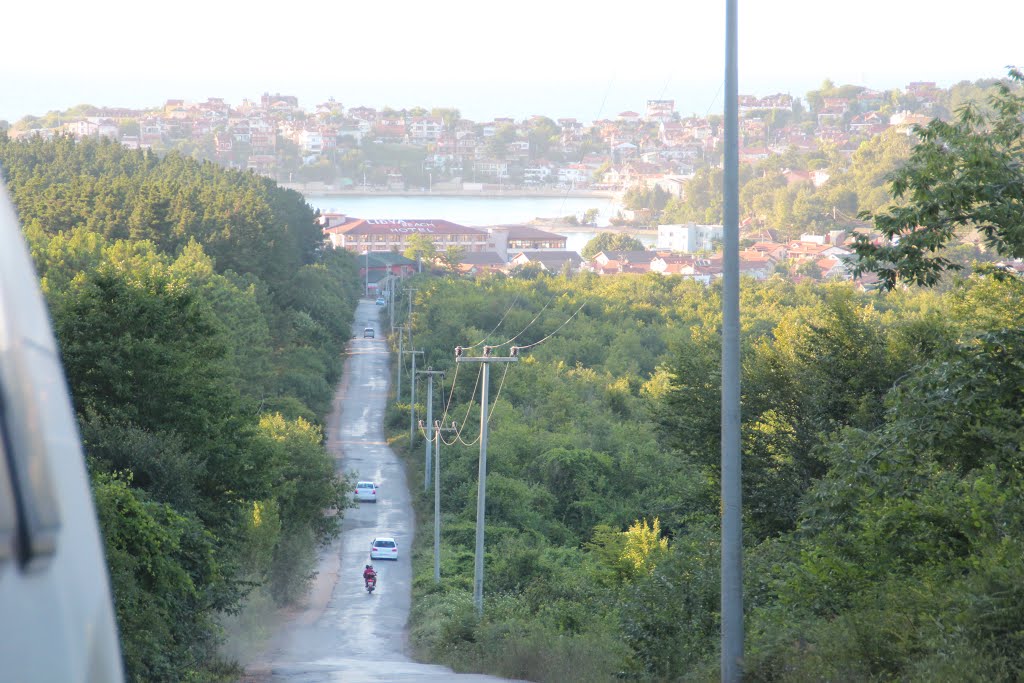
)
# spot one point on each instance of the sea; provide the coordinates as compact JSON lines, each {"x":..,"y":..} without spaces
{"x":477,"y":211}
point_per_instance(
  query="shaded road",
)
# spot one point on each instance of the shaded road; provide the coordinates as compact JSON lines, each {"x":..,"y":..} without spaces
{"x":343,"y":633}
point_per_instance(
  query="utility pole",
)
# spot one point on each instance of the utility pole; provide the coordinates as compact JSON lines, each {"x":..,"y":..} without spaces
{"x":481,"y":490}
{"x":430,"y":420}
{"x":412,"y":397}
{"x":401,"y":361}
{"x":391,"y":302}
{"x":437,"y":494}
{"x":412,"y":293}
{"x":732,"y":493}
{"x":367,"y":292}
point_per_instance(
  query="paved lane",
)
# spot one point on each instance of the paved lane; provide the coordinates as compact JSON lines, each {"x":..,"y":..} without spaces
{"x":344,"y":633}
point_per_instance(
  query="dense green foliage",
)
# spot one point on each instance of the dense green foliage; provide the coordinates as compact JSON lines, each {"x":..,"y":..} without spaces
{"x":882,"y":489}
{"x":770,"y":199}
{"x":611,"y":241}
{"x":963,"y":175}
{"x":201,"y":330}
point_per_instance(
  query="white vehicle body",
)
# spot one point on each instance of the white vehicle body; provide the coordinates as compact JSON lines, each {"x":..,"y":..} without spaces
{"x":56,"y":613}
{"x":366,"y":490}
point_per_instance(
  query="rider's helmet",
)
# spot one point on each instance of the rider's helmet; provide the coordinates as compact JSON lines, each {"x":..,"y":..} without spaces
{"x":369,"y":566}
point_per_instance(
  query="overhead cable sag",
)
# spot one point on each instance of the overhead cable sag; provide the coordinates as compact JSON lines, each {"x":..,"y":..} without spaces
{"x":487,"y":336}
{"x":498,"y":346}
{"x":450,"y":394}
{"x":472,"y":400}
{"x":536,"y":343}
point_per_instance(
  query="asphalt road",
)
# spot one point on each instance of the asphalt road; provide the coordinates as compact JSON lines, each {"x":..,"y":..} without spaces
{"x":343,"y":633}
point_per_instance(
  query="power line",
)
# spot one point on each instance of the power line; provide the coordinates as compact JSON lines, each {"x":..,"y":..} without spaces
{"x":498,"y":395}
{"x":536,"y":343}
{"x":583,"y":154}
{"x":487,"y":336}
{"x":472,"y":400}
{"x":450,"y":394}
{"x":498,"y":346}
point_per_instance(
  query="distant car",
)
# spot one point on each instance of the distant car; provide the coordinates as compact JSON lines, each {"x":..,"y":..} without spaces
{"x":366,"y":490}
{"x":380,"y":301}
{"x":384,"y":548}
{"x":367,"y":333}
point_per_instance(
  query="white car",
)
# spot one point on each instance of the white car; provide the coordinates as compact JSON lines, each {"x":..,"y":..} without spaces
{"x":384,"y":548}
{"x":366,"y":490}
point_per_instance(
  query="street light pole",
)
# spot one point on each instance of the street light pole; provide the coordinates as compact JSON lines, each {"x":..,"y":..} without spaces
{"x":732,"y":493}
{"x":481,"y":491}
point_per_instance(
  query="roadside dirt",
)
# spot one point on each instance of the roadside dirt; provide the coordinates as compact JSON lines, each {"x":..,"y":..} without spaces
{"x":258,"y":668}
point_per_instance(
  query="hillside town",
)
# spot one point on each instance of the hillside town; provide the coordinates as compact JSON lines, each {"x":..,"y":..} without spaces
{"x":688,"y":251}
{"x":334,"y":148}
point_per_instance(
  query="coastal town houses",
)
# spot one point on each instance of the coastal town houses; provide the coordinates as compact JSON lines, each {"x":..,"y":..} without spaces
{"x":360,"y":235}
{"x":618,"y":262}
{"x":478,"y":263}
{"x":506,"y":239}
{"x":689,"y":237}
{"x":549,"y":261}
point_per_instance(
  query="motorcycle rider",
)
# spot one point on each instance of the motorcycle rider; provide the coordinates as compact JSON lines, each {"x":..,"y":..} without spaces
{"x":368,"y":574}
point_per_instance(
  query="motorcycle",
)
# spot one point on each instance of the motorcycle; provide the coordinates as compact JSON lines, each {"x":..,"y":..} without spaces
{"x":371,"y":583}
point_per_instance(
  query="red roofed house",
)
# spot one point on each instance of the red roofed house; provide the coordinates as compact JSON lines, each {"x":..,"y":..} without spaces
{"x":387,"y":234}
{"x":506,"y":239}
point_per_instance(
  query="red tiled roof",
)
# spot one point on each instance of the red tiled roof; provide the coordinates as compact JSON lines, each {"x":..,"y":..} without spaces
{"x":527,"y":232}
{"x":392,"y":226}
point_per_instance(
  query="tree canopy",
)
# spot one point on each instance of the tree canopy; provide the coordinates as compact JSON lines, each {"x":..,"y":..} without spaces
{"x":200,"y":325}
{"x":962,"y":175}
{"x":611,"y":241}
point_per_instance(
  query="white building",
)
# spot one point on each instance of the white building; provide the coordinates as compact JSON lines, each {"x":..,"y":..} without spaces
{"x":689,"y":238}
{"x":311,"y":142}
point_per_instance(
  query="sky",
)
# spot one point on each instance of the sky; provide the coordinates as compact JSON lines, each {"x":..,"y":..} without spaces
{"x":559,"y":58}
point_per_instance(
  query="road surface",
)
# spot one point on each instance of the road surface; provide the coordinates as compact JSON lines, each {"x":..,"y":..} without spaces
{"x":342,"y":633}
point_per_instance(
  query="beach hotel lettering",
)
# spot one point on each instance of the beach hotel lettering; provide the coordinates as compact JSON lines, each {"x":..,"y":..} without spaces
{"x":386,"y":234}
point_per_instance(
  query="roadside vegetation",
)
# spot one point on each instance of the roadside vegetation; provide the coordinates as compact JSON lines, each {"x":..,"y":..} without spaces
{"x":882,"y":504}
{"x":881,"y":434}
{"x":201,"y":330}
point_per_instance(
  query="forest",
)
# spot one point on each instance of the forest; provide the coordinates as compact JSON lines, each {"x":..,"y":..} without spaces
{"x":881,"y":434}
{"x":201,"y":328}
{"x":883,"y":501}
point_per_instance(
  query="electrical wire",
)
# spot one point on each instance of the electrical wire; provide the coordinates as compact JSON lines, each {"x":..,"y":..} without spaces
{"x":536,"y":343}
{"x":487,"y":336}
{"x":458,"y":432}
{"x":498,"y":395}
{"x":498,"y":346}
{"x":583,"y":155}
{"x":715,"y":98}
{"x":450,"y":394}
{"x":490,"y":412}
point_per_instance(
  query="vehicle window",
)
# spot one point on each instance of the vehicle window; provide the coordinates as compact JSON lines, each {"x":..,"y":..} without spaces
{"x":25,"y":457}
{"x":8,"y":515}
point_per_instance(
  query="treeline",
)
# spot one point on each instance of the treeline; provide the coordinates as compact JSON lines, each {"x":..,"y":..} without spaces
{"x":791,"y":205}
{"x":201,"y":330}
{"x":883,"y":498}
